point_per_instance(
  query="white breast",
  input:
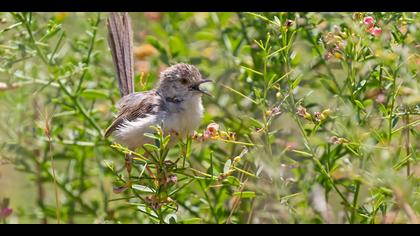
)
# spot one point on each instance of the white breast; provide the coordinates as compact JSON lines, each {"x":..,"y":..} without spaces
{"x":185,"y":121}
{"x":131,"y":133}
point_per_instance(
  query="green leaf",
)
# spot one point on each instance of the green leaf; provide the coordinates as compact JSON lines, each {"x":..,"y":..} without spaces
{"x":329,"y":85}
{"x":277,"y":20}
{"x":232,"y":180}
{"x":52,"y":30}
{"x":359,"y":104}
{"x":156,"y":43}
{"x":224,"y":18}
{"x":383,"y":109}
{"x":142,"y":188}
{"x":296,"y":82}
{"x":252,"y":70}
{"x":386,"y":191}
{"x":176,"y":46}
{"x":302,"y":153}
{"x":256,"y":122}
{"x":277,"y":51}
{"x":205,"y":35}
{"x":166,"y":140}
{"x":191,"y":221}
{"x":245,"y":194}
{"x":151,"y":147}
{"x":395,"y":121}
{"x":110,"y":165}
{"x":95,"y":93}
{"x":360,"y":86}
{"x":152,"y":136}
{"x":239,"y":93}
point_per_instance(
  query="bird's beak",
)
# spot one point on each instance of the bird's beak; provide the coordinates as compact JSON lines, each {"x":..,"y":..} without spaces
{"x":196,"y":87}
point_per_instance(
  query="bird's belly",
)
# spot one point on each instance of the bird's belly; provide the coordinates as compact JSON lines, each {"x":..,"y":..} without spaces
{"x":182,"y":124}
{"x":131,"y":133}
{"x":178,"y":125}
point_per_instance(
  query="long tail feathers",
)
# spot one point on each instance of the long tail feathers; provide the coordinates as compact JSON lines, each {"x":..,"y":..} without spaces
{"x":120,"y":40}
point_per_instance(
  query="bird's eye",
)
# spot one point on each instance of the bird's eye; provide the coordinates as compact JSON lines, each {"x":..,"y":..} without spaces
{"x":184,"y":81}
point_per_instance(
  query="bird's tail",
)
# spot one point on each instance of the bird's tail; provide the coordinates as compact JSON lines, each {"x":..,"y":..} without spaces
{"x":120,"y":40}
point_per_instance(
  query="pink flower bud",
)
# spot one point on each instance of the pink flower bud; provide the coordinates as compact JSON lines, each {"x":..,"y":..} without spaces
{"x":119,"y":189}
{"x":172,"y":179}
{"x":328,"y":56}
{"x":317,"y":116}
{"x":301,"y":111}
{"x":289,"y":23}
{"x":231,"y":135}
{"x":369,"y":21}
{"x":206,"y":135}
{"x":275,"y":111}
{"x":376,"y":31}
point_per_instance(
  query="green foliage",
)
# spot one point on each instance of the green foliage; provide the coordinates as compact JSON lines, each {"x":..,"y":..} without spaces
{"x":318,"y":116}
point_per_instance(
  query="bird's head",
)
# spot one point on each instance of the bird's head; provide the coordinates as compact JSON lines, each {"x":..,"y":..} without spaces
{"x":181,"y":81}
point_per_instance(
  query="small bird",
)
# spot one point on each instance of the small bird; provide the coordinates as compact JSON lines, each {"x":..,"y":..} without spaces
{"x":175,"y":103}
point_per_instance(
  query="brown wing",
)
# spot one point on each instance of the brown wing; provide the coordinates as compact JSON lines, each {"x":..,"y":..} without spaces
{"x":133,"y":106}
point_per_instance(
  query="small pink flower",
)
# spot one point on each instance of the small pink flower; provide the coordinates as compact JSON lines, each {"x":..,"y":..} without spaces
{"x":206,"y":135}
{"x":5,"y":212}
{"x":301,"y":111}
{"x":317,"y":116}
{"x":380,"y":98}
{"x":171,"y":179}
{"x":328,"y":56}
{"x":275,"y":111}
{"x":212,"y":128}
{"x":369,"y":21}
{"x":376,"y":31}
{"x":334,"y":140}
{"x":291,"y":145}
